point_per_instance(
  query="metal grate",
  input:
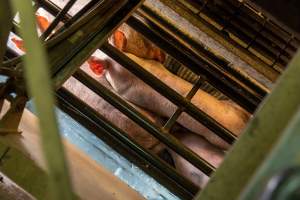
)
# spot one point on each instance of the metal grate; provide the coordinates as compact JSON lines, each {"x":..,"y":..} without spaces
{"x":248,"y":28}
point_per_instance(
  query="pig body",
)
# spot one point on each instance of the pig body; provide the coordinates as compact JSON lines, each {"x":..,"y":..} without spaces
{"x":202,"y":148}
{"x":136,"y":91}
{"x":199,"y":145}
{"x":113,"y":114}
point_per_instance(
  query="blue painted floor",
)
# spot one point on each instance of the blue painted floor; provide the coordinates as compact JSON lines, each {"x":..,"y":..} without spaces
{"x":110,"y":159}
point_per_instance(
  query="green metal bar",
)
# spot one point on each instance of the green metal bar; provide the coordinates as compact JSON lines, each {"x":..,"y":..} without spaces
{"x":285,"y":155}
{"x":260,"y":136}
{"x":39,"y":84}
{"x":5,"y":26}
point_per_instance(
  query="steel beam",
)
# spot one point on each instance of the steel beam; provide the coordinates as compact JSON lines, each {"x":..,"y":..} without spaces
{"x":39,"y":86}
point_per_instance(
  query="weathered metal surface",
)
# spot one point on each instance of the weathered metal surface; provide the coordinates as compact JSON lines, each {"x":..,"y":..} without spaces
{"x":39,"y":84}
{"x":259,"y":138}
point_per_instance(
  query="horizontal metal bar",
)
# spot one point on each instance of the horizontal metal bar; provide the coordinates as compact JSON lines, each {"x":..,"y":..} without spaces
{"x":144,"y":122}
{"x":170,"y":94}
{"x":120,"y":141}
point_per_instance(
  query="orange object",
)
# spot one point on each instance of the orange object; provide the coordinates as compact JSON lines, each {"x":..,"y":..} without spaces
{"x":19,"y":43}
{"x":120,"y":40}
{"x":96,"y":65}
{"x":42,"y":22}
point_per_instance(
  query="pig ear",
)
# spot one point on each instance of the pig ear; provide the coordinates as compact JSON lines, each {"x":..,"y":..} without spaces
{"x":96,"y":65}
{"x":120,"y":40}
{"x":19,"y":43}
{"x":42,"y":22}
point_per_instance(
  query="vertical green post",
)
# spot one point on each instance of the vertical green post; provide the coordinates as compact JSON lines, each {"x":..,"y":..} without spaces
{"x":285,"y":155}
{"x":38,"y":81}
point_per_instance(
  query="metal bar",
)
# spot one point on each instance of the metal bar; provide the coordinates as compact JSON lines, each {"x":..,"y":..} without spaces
{"x":120,"y":141}
{"x":175,"y":30}
{"x":224,"y":39}
{"x":199,"y":64}
{"x":283,"y":156}
{"x":80,"y":13}
{"x":145,"y":123}
{"x":6,"y":24}
{"x":168,"y":125}
{"x":39,"y":84}
{"x":57,"y":19}
{"x":170,"y":94}
{"x":51,"y":8}
{"x":89,"y":45}
{"x":258,"y":139}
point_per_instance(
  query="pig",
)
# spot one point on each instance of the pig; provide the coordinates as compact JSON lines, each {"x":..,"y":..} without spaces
{"x":136,"y":91}
{"x":198,"y":144}
{"x":112,"y":114}
{"x":193,"y":141}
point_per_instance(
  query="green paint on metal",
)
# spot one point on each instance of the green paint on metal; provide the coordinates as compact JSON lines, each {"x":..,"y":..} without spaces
{"x":39,"y":84}
{"x":6,"y":23}
{"x":285,"y":155}
{"x":24,"y":172}
{"x":258,"y":139}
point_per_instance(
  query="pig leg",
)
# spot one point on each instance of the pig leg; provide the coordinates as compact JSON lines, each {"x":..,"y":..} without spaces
{"x":204,"y":149}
